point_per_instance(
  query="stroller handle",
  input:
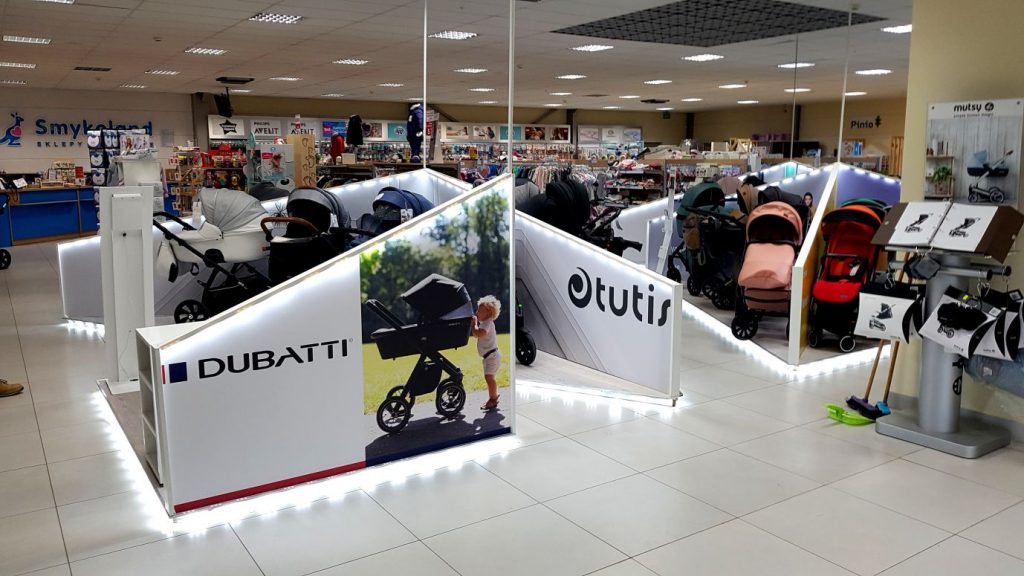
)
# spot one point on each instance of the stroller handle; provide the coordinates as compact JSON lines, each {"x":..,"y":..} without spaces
{"x":169,"y":216}
{"x":288,"y":220}
{"x":710,"y":214}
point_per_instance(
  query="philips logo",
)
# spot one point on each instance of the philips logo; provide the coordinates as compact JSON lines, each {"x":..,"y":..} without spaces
{"x":258,"y":360}
{"x":582,"y":292}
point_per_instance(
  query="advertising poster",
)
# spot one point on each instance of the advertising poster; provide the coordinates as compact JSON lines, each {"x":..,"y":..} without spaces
{"x":486,"y":132}
{"x":611,"y":135}
{"x":983,"y":139}
{"x":276,"y":162}
{"x":426,"y":369}
{"x":221,"y":128}
{"x":559,"y":134}
{"x":590,"y":135}
{"x":306,"y":126}
{"x":456,"y":131}
{"x":536,"y":132}
{"x":396,"y":131}
{"x":265,"y":128}
{"x":632,"y":135}
{"x":332,"y":127}
{"x":517,"y":133}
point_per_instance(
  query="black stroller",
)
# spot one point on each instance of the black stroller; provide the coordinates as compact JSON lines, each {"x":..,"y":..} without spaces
{"x":526,"y":347}
{"x":5,"y":255}
{"x":392,"y":207}
{"x":316,"y":231}
{"x":445,"y":322}
{"x":978,"y":194}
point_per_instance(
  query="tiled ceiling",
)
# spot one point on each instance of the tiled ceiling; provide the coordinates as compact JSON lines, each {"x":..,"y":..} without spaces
{"x":133,"y":36}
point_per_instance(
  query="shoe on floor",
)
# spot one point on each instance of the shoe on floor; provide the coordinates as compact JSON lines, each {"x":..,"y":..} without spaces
{"x":8,"y":389}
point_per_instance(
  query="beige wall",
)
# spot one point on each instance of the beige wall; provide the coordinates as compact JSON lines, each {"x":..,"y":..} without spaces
{"x":960,"y":51}
{"x":741,"y":122}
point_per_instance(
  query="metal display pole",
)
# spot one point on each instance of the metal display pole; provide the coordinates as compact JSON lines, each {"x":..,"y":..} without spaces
{"x":937,"y":423}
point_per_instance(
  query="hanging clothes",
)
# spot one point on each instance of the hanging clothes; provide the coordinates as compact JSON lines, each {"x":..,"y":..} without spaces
{"x":414,"y":130}
{"x":355,"y":131}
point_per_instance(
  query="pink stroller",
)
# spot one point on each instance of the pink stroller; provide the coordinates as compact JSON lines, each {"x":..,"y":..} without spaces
{"x":774,"y":234}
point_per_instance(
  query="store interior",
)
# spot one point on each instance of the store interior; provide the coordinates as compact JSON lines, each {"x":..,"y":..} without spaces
{"x":510,"y":287}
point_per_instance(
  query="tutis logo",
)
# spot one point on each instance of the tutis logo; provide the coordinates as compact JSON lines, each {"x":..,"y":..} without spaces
{"x":582,"y":292}
{"x":257,"y":360}
{"x":12,"y":136}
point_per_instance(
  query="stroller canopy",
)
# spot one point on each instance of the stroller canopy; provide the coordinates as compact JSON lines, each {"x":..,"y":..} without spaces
{"x":392,"y":197}
{"x":775,"y":222}
{"x":439,"y":298}
{"x":267,"y":191}
{"x":704,"y":195}
{"x":853,"y":213}
{"x":229,"y":209}
{"x":564,"y":205}
{"x":316,"y":206}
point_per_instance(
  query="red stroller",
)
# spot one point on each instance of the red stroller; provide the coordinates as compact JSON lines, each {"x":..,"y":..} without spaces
{"x":848,"y":264}
{"x":775,"y":231}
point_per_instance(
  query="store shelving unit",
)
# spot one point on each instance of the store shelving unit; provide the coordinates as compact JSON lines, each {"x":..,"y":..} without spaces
{"x":633,"y":185}
{"x":939,"y":190}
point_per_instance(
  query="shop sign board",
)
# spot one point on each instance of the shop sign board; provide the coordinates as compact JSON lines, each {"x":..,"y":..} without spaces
{"x":265,"y":128}
{"x":332,"y":127}
{"x":310,"y":126}
{"x":397,"y":131}
{"x":50,"y":132}
{"x":222,"y":128}
{"x":555,"y":133}
{"x":601,"y":310}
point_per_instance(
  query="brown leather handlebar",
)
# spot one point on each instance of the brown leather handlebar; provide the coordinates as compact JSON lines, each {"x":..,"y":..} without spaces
{"x":287,"y":220}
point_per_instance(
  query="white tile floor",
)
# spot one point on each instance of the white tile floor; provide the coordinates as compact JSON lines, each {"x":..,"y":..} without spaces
{"x":744,"y":477}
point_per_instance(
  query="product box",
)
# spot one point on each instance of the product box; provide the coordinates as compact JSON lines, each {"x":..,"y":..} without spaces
{"x":911,"y":224}
{"x":982,"y":229}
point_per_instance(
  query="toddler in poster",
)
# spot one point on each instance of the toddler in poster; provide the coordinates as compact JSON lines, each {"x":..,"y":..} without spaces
{"x":487,"y":310}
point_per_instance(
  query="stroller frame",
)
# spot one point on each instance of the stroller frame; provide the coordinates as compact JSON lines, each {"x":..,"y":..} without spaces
{"x":394,"y":412}
{"x":717,"y":285}
{"x":241,"y":278}
{"x":526,"y":347}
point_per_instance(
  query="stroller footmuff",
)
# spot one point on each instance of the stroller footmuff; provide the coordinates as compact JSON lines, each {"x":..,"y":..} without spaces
{"x":849,"y":262}
{"x":774,"y":234}
{"x":445,"y":322}
{"x":226,"y":242}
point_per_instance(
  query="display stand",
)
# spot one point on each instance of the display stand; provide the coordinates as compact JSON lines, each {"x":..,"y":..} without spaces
{"x":126,"y":245}
{"x":937,"y":424}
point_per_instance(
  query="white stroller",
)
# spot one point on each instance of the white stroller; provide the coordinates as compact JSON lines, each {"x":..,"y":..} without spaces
{"x":230,"y":233}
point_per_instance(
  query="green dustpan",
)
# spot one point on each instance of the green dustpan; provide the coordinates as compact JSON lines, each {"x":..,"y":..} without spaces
{"x":840,"y":414}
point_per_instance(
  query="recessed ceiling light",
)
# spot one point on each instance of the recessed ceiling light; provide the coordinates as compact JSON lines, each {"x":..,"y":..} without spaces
{"x":26,"y":39}
{"x":332,"y":95}
{"x":874,"y":72}
{"x":275,"y":18}
{"x":692,"y":100}
{"x":792,"y":65}
{"x":58,"y":1}
{"x":16,"y":65}
{"x":92,"y":69}
{"x":414,"y":99}
{"x":612,"y":108}
{"x":552,"y":105}
{"x":560,"y":94}
{"x":488,"y":102}
{"x":481,"y":89}
{"x":657,"y":82}
{"x":240,"y":91}
{"x":13,"y":82}
{"x":856,"y":93}
{"x":703,"y":57}
{"x":746,"y":101}
{"x":286,"y":78}
{"x":629,"y":97}
{"x":137,"y":86}
{"x":732,"y":86}
{"x":471,"y":70}
{"x":205,"y":51}
{"x":163,"y":72}
{"x":593,"y":48}
{"x":454,"y":35}
{"x":390,"y":85}
{"x":903,"y":29}
{"x":571,"y":77}
{"x":665,"y":109}
{"x":351,"y":61}
{"x":797,"y":90}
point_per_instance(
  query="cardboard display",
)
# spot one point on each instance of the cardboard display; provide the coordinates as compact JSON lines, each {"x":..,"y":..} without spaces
{"x":983,"y":230}
{"x":911,"y":224}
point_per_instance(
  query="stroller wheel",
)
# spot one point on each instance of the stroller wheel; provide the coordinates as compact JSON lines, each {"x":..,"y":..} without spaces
{"x":997,"y":196}
{"x":692,"y":286}
{"x":190,"y":311}
{"x":451,"y":397}
{"x":814,"y":338}
{"x":5,"y":259}
{"x":400,"y":392}
{"x":722,"y":298}
{"x":674,"y":274}
{"x":847,"y":344}
{"x":744,"y":328}
{"x":393,"y":414}
{"x":972,"y":198}
{"x":526,"y":348}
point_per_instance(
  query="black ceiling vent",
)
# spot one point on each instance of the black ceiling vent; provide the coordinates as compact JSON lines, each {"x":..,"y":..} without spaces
{"x":234,"y":80}
{"x":654,"y":101}
{"x":707,"y":23}
{"x":92,"y":69}
{"x":595,"y":95}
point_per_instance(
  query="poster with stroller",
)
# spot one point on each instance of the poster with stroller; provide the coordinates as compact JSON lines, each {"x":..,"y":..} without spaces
{"x":918,"y":224}
{"x":964,"y":227}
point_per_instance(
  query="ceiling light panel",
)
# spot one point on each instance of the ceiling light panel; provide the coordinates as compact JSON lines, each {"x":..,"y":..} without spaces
{"x":560,"y":94}
{"x":26,"y":39}
{"x":16,"y":65}
{"x":206,"y":51}
{"x":904,"y":29}
{"x":163,"y":72}
{"x":286,"y":78}
{"x":856,"y":93}
{"x":732,"y":86}
{"x":13,"y":82}
{"x":657,"y":82}
{"x":272,"y":18}
{"x":454,"y":35}
{"x":792,"y":65}
{"x":630,"y":97}
{"x":58,"y":1}
{"x":746,"y":101}
{"x":239,"y":91}
{"x":874,"y":72}
{"x":703,"y":57}
{"x":136,"y":86}
{"x":571,"y":77}
{"x":332,"y":95}
{"x":481,"y":89}
{"x":593,"y":48}
{"x":488,"y":102}
{"x":390,"y":85}
{"x":612,"y":108}
{"x":552,"y":105}
{"x":471,"y":70}
{"x":351,"y":62}
{"x":692,"y":100}
{"x":797,"y":90}
{"x":664,"y":109}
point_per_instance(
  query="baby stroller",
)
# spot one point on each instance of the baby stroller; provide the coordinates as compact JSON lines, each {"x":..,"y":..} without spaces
{"x":392,"y":207}
{"x":316,"y":230}
{"x":978,"y":194}
{"x":565,"y":205}
{"x":775,"y":231}
{"x":849,"y":262}
{"x":961,"y":230}
{"x":445,"y":322}
{"x":230,"y":234}
{"x":526,"y":347}
{"x":5,"y":255}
